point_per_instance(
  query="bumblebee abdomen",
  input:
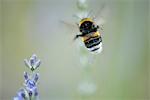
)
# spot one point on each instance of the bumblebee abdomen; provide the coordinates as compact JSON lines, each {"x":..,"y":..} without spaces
{"x":94,"y":44}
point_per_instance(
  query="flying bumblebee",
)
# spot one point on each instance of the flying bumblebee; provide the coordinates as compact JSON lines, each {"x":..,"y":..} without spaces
{"x":89,"y":27}
{"x":90,"y":35}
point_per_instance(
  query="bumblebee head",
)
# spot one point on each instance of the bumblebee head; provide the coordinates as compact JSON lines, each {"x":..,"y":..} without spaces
{"x":84,"y":20}
{"x":87,"y":25}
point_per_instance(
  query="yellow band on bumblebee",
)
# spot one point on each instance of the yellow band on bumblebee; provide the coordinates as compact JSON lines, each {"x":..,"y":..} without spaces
{"x":85,"y":19}
{"x":96,"y":34}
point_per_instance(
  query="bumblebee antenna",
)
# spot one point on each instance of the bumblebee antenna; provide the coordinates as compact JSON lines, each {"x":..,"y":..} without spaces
{"x":77,"y":25}
{"x":76,"y":16}
{"x":89,"y":13}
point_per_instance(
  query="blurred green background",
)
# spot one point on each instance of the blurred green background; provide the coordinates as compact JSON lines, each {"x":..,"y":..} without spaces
{"x":120,"y":72}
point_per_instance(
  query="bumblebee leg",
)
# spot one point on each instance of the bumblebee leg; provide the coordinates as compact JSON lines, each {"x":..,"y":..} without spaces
{"x":77,"y":36}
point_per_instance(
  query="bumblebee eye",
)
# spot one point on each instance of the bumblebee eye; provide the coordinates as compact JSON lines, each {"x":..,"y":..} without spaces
{"x":93,"y":26}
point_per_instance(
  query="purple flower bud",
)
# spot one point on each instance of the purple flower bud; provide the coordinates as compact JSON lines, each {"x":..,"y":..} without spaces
{"x":30,"y":93}
{"x":20,"y":95}
{"x":36,"y":77}
{"x":37,"y":64}
{"x":26,"y":76}
{"x":33,"y":63}
{"x":36,"y":93}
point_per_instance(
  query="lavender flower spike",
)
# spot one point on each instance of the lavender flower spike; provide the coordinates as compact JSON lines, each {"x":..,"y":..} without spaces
{"x":29,"y":91}
{"x":33,"y":63}
{"x":31,"y":85}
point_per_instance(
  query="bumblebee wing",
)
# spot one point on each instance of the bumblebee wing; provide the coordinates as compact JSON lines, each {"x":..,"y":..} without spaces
{"x":102,"y":15}
{"x":71,"y":28}
{"x":68,"y":24}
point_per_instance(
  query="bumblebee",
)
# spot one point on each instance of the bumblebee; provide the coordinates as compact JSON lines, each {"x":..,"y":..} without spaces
{"x":90,"y":35}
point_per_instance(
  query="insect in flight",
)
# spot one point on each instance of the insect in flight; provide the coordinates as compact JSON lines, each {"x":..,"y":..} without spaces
{"x":90,"y":35}
{"x":89,"y":28}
